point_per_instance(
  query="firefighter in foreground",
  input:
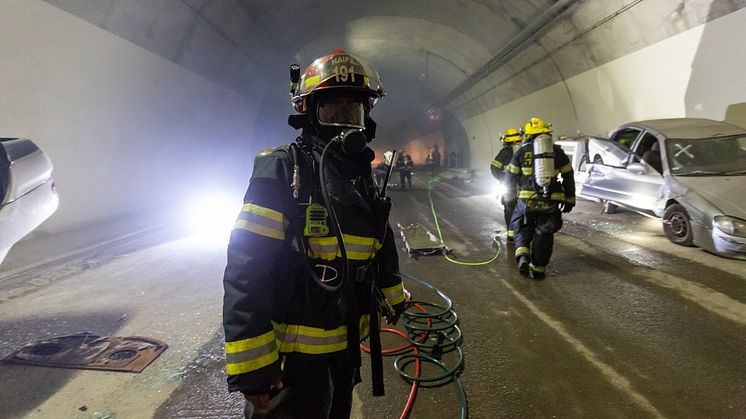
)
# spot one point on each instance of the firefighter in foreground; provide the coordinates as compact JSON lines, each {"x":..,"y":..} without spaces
{"x":312,"y":258}
{"x":539,"y":196}
{"x":511,"y":140}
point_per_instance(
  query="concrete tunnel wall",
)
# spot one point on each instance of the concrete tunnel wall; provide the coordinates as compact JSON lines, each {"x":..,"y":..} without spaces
{"x":127,"y":130}
{"x":130,"y":128}
{"x":697,"y":73}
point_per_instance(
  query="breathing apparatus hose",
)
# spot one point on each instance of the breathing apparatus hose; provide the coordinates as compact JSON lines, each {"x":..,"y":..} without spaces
{"x":430,"y":185}
{"x":429,"y":336}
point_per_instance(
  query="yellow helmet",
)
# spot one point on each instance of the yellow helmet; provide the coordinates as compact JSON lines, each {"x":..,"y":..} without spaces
{"x":511,"y":135}
{"x":536,"y":126}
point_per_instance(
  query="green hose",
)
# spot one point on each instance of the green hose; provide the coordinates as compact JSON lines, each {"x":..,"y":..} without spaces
{"x":432,"y":335}
{"x":430,"y":185}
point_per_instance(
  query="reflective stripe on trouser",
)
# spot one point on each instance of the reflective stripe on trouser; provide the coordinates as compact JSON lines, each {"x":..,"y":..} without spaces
{"x":535,"y":231}
{"x":508,"y":208}
{"x":536,"y":268}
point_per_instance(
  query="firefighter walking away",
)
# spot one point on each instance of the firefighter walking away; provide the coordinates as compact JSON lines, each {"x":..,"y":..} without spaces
{"x":511,"y":140}
{"x":540,"y":198}
{"x":312,"y":257}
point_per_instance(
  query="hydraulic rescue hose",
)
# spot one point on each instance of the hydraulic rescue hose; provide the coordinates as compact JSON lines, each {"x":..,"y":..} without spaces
{"x":430,"y":335}
{"x":430,"y":185}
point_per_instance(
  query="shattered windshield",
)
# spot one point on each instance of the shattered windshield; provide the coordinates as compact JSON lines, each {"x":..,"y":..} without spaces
{"x":707,"y":157}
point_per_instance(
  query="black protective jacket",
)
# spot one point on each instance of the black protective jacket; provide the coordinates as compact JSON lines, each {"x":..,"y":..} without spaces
{"x":500,"y":162}
{"x":521,"y":184}
{"x":272,"y":306}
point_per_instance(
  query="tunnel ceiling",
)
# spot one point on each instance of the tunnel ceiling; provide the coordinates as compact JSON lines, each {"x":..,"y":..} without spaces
{"x":425,"y":50}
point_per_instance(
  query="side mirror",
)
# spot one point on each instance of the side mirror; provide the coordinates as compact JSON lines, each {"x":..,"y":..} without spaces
{"x":638,"y":168}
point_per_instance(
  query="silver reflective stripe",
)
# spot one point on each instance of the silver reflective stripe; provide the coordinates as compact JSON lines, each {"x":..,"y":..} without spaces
{"x":361,"y":248}
{"x":251,"y":354}
{"x":323,"y":248}
{"x":261,"y":220}
{"x":310,"y":340}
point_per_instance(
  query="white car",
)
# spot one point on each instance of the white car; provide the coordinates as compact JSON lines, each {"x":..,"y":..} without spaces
{"x":690,"y":172}
{"x":27,"y":192}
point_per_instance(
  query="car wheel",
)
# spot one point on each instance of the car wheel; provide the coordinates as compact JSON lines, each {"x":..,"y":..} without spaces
{"x":677,"y":226}
{"x":598,"y":160}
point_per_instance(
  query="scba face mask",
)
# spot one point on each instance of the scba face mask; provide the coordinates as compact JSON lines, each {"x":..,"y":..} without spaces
{"x":341,"y":111}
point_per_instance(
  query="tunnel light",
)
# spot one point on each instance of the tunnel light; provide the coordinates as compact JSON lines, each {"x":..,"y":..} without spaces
{"x":498,"y":190}
{"x":211,"y":216}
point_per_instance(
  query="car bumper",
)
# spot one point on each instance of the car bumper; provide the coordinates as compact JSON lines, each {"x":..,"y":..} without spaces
{"x":728,"y":245}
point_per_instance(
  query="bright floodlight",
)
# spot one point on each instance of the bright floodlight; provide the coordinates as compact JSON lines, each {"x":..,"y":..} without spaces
{"x":212,"y":216}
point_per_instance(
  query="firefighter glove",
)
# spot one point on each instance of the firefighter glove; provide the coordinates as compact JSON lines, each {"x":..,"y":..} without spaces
{"x":567,"y":207}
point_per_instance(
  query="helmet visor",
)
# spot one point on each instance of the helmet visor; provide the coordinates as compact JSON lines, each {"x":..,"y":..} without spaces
{"x":341,"y":111}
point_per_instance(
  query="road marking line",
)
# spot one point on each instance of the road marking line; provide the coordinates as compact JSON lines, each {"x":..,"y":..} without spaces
{"x":705,"y":297}
{"x":615,"y":378}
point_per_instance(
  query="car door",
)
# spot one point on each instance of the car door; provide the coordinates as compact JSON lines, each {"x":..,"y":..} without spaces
{"x":636,"y":185}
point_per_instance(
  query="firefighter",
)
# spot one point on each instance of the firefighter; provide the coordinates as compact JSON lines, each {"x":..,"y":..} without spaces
{"x":404,"y":165}
{"x":310,"y":250}
{"x":511,"y":140}
{"x":532,"y":182}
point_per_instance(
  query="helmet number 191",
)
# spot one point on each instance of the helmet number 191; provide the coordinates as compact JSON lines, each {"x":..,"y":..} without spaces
{"x":341,"y":73}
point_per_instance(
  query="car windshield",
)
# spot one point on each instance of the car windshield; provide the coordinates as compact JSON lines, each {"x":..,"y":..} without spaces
{"x":707,"y":157}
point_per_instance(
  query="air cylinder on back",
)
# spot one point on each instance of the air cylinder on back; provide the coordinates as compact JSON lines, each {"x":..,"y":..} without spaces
{"x":544,"y":163}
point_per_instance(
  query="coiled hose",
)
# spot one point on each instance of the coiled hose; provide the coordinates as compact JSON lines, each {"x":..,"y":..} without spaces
{"x":431,"y":332}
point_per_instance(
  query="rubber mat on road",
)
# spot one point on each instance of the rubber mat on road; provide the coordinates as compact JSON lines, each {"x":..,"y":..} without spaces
{"x":419,"y":241}
{"x":90,"y":351}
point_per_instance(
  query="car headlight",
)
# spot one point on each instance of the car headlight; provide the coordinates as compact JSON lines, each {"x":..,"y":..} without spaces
{"x":731,"y":225}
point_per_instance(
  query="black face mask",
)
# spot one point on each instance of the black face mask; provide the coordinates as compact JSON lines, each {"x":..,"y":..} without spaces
{"x":352,"y":141}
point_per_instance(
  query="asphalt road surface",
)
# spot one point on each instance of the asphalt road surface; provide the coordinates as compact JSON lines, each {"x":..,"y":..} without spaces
{"x":626,"y":324}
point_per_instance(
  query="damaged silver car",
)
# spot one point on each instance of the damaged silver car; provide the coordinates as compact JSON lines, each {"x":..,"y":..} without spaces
{"x":691,"y":173}
{"x":27,"y":192}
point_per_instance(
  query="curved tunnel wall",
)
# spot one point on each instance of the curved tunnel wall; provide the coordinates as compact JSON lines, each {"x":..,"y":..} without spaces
{"x":127,"y":131}
{"x":692,"y":74}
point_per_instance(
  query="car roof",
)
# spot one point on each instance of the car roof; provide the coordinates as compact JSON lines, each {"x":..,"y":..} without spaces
{"x":689,"y":128}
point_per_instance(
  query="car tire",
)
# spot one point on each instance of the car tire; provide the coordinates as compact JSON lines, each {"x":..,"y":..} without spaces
{"x":677,"y":226}
{"x":598,"y":160}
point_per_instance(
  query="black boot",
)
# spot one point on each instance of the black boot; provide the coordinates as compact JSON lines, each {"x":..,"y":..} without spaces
{"x":523,"y":263}
{"x":536,"y":275}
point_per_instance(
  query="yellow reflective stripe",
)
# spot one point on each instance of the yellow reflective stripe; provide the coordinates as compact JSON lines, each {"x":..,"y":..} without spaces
{"x":251,"y":354}
{"x":566,"y":168}
{"x":250,"y":343}
{"x":323,"y":247}
{"x":522,"y":251}
{"x":527,"y":171}
{"x":570,"y":199}
{"x":529,"y":194}
{"x":252,"y":365}
{"x":364,"y":326}
{"x":510,"y":233}
{"x":513,"y":169}
{"x":537,"y":268}
{"x":497,"y":164}
{"x":395,"y":294}
{"x":310,"y":340}
{"x":263,"y":221}
{"x":357,"y":247}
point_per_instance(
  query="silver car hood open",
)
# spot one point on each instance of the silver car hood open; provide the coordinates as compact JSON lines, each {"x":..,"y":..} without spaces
{"x":725,"y":192}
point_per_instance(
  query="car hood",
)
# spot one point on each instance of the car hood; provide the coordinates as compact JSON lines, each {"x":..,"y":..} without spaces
{"x":725,"y":192}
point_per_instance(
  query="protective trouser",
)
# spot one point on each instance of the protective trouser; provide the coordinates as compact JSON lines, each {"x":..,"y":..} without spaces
{"x":313,"y":389}
{"x":508,"y":208}
{"x":534,"y":234}
{"x":406,"y":178}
